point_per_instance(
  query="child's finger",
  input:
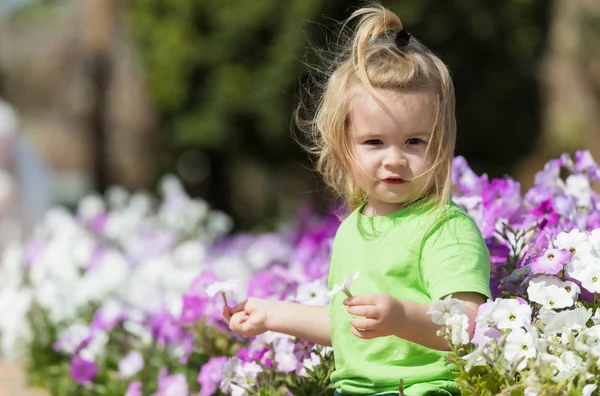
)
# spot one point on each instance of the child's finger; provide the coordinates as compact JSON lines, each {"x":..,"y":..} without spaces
{"x":238,"y":308}
{"x":364,"y":324}
{"x":364,"y":334}
{"x":227,"y":313}
{"x":236,"y":321}
{"x":367,"y":311}
{"x":363,"y":299}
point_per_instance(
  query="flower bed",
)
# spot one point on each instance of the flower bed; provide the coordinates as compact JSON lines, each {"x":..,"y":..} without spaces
{"x":117,"y":298}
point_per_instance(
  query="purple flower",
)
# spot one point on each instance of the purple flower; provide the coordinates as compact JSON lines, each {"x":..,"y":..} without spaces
{"x":165,"y":328}
{"x":465,"y":180}
{"x":584,"y":162}
{"x":482,"y":330}
{"x":303,"y":349}
{"x":83,"y":371}
{"x":551,"y":262}
{"x":109,"y":315}
{"x":275,"y":281}
{"x":193,"y":309}
{"x":210,"y":375}
{"x":171,"y":385}
{"x":545,"y":214}
{"x":134,"y":389}
{"x":98,"y":223}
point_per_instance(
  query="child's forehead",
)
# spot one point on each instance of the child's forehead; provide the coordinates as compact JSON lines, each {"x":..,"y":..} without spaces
{"x":414,"y":108}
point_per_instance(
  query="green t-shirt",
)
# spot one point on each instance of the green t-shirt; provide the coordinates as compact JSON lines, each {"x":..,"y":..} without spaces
{"x":413,"y":254}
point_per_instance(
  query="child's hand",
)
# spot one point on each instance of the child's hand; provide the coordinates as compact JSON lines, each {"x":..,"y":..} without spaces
{"x":248,"y":318}
{"x":379,"y":315}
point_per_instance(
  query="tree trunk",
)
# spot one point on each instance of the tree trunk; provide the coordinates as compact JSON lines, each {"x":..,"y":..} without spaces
{"x":97,"y":36}
{"x":570,"y":84}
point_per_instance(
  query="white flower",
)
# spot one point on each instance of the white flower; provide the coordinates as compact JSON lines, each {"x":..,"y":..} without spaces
{"x":344,"y":287}
{"x":551,"y":292}
{"x":590,"y":277}
{"x":519,"y":348}
{"x":442,"y":310}
{"x":511,"y":314}
{"x":223,"y":287}
{"x":131,"y":364}
{"x":475,"y":358}
{"x":312,"y":293}
{"x":578,"y":186}
{"x":96,"y":346}
{"x":91,"y":206}
{"x":456,"y":329}
{"x":558,"y":322}
{"x":252,"y":369}
{"x":531,"y":391}
{"x":588,"y":389}
{"x":596,"y":317}
{"x":575,"y":241}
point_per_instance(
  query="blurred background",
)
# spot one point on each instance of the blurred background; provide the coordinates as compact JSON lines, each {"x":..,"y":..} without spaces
{"x":120,"y":92}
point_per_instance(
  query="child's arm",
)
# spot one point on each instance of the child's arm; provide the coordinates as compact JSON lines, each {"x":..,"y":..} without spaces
{"x":382,"y":315}
{"x":256,"y":315}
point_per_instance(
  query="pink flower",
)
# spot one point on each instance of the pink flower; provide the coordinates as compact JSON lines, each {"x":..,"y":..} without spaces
{"x":83,"y":371}
{"x":551,"y":262}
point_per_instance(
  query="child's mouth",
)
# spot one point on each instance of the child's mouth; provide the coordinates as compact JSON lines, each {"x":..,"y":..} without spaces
{"x":394,"y":180}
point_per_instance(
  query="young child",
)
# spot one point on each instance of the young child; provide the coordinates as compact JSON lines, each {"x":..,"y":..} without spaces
{"x":385,"y":133}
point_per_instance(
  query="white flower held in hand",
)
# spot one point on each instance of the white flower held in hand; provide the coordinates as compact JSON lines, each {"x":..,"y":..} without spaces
{"x":223,"y":288}
{"x":344,"y":287}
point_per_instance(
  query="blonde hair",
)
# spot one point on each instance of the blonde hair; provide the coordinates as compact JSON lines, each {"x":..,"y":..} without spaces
{"x":371,"y":57}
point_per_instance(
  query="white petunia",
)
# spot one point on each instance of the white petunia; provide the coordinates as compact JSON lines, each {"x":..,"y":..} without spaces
{"x":475,"y":358}
{"x":442,"y":310}
{"x":596,"y":317}
{"x":456,"y":329}
{"x":563,"y":321}
{"x":590,"y":277}
{"x":312,"y":293}
{"x":131,"y":364}
{"x":344,"y":287}
{"x":574,"y":241}
{"x":578,"y":186}
{"x":550,"y":292}
{"x":231,"y":285}
{"x":588,"y":389}
{"x":511,"y":314}
{"x":519,"y":348}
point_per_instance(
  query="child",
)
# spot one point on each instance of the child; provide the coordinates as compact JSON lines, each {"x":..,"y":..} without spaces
{"x":384,"y":134}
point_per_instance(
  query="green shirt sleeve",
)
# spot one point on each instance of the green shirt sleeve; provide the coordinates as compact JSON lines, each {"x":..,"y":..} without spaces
{"x":454,"y":258}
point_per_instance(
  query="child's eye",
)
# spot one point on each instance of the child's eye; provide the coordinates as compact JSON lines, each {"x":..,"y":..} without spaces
{"x":414,"y":141}
{"x":373,"y":142}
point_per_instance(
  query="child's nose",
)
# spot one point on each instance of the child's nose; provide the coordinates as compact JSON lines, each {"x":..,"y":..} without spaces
{"x":395,"y":159}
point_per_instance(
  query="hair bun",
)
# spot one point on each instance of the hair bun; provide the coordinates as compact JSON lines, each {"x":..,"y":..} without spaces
{"x":402,"y":38}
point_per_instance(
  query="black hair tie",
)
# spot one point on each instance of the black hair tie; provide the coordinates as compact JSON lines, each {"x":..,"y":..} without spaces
{"x":402,"y":38}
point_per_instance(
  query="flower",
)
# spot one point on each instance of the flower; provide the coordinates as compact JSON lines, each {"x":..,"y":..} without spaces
{"x":171,"y":385}
{"x":442,"y":310}
{"x":519,"y":348}
{"x":551,"y":262}
{"x":210,"y":375}
{"x":344,"y":287}
{"x":456,"y":329}
{"x":224,"y":288}
{"x":551,"y":292}
{"x":131,"y":364}
{"x":511,"y":314}
{"x":134,"y":389}
{"x":82,"y":370}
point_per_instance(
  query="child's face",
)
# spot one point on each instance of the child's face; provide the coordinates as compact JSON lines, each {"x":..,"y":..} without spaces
{"x":389,"y":141}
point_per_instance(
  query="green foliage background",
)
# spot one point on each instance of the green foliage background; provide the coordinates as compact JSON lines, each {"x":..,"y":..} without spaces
{"x":224,"y":76}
